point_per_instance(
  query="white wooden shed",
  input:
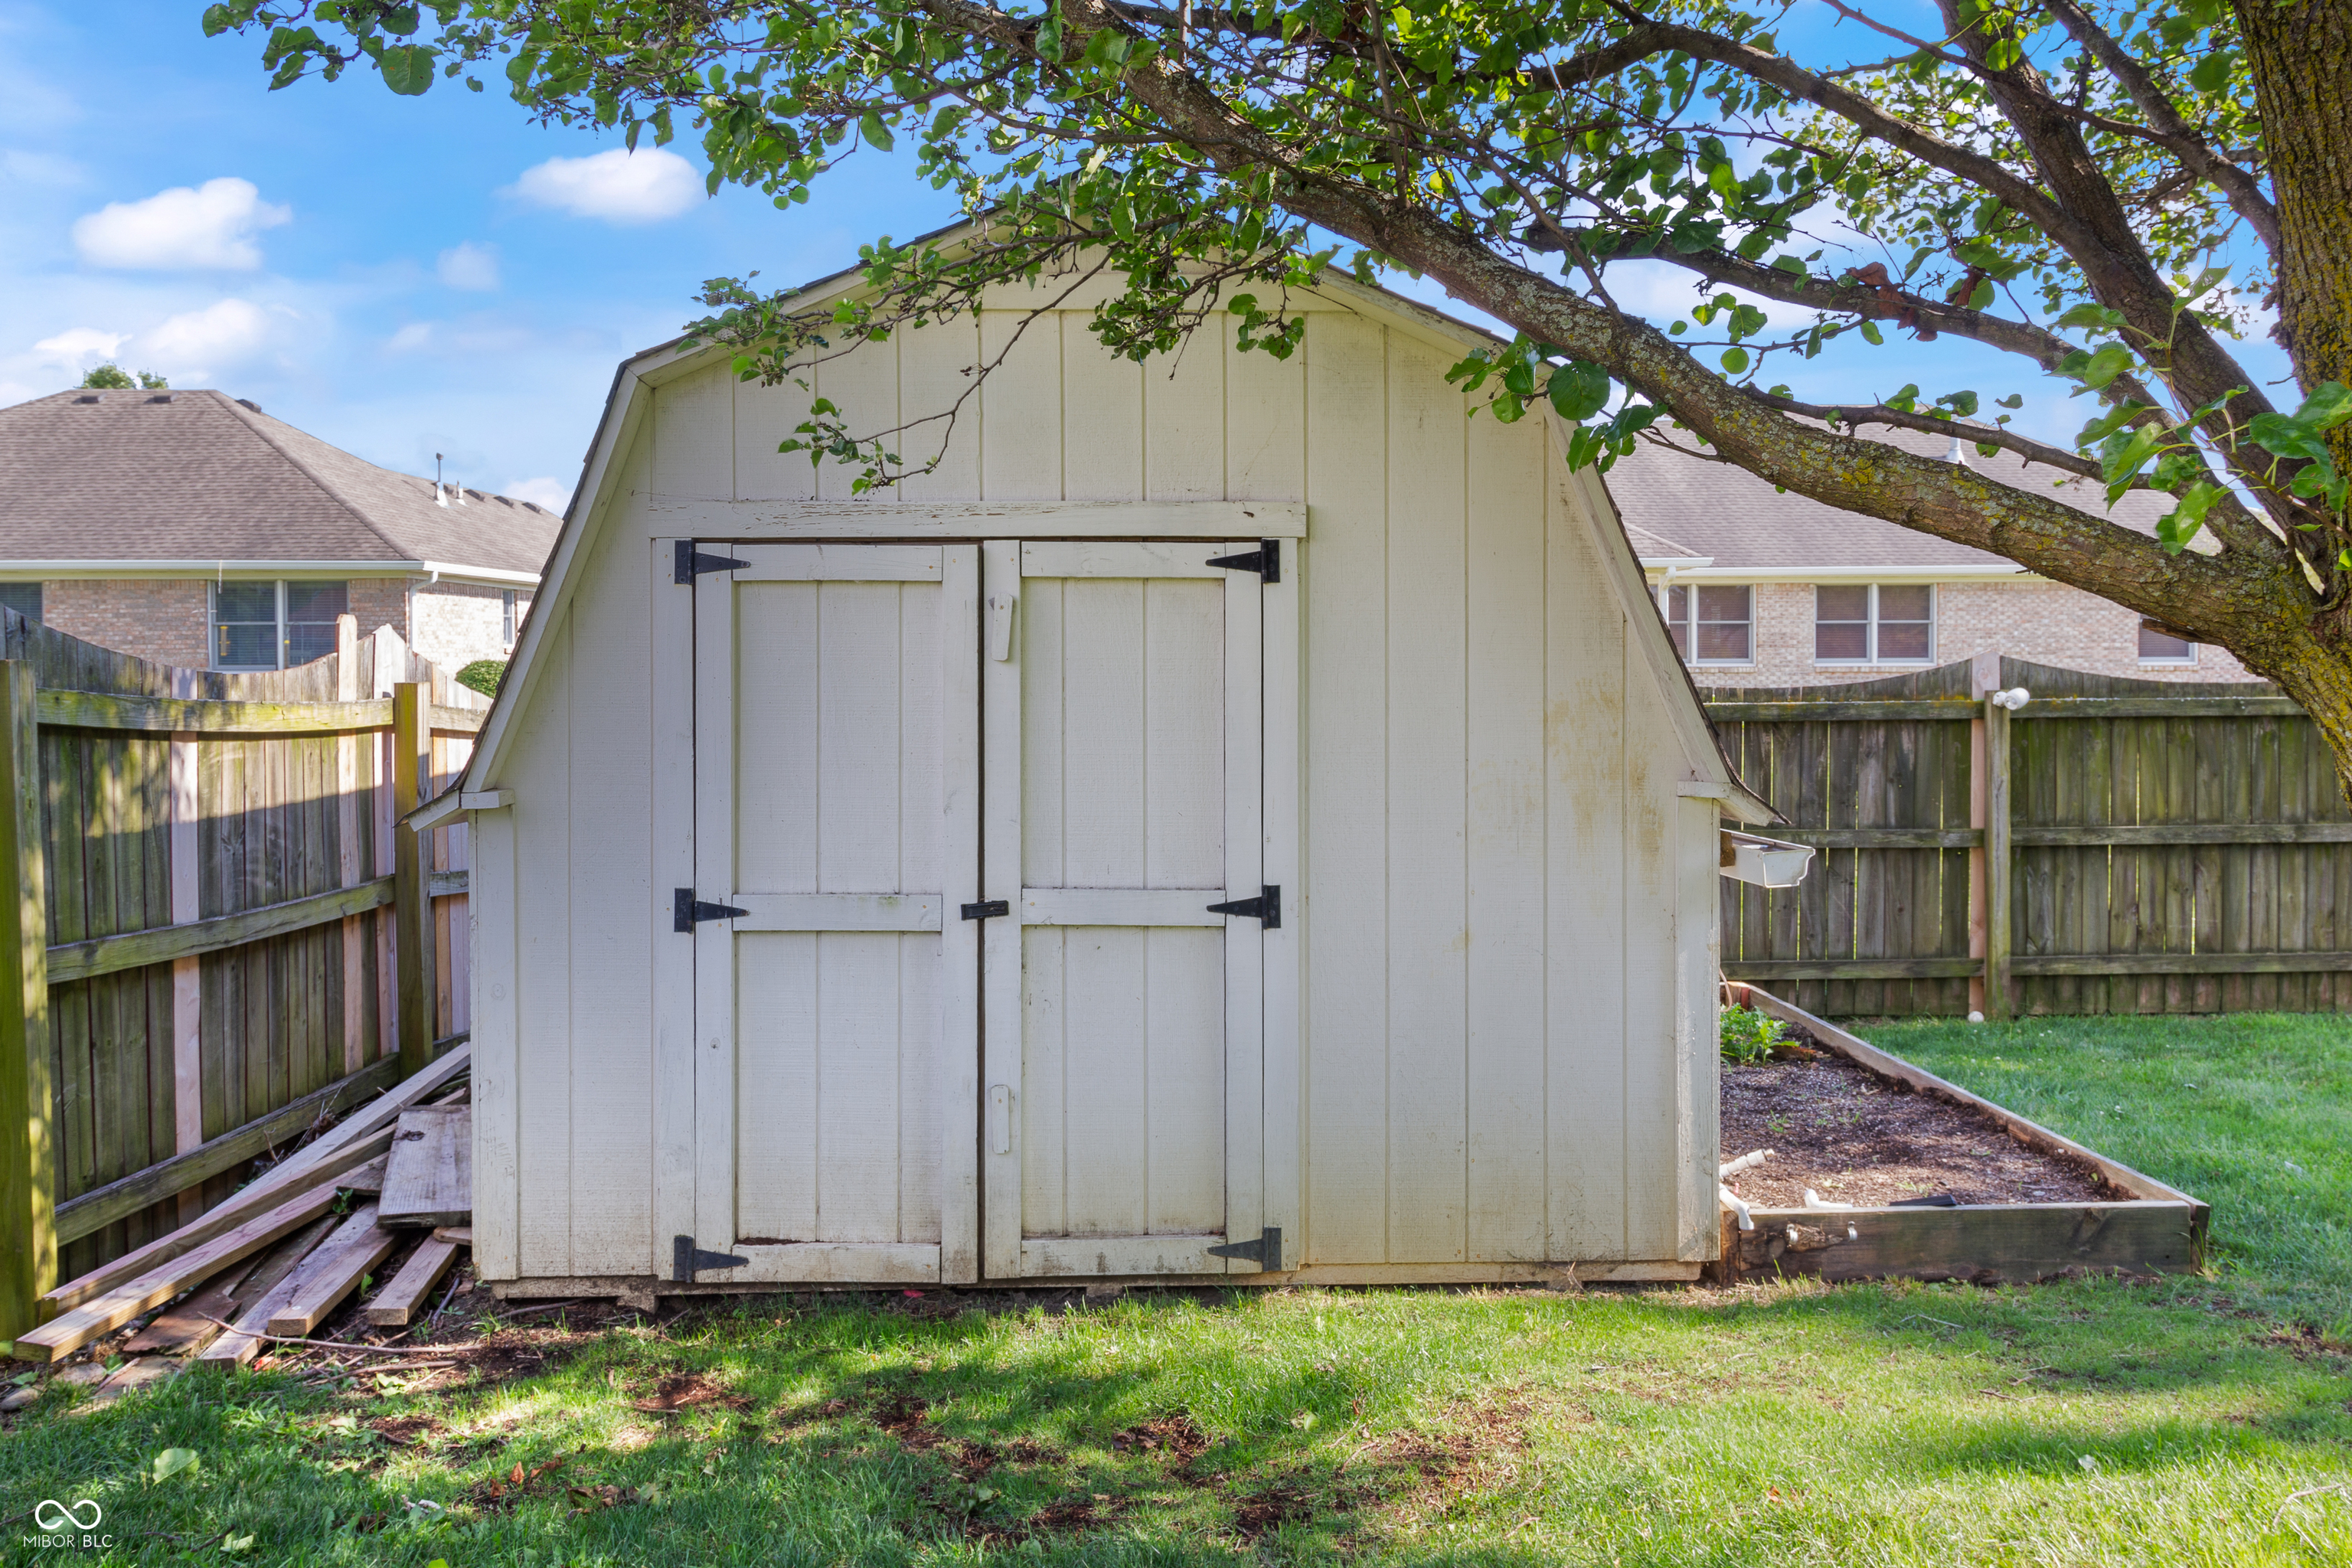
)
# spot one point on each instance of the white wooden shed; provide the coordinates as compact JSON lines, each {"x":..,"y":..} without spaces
{"x":1295,"y":637}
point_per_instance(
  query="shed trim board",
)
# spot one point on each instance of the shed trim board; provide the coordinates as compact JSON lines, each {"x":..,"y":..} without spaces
{"x":749,"y":824}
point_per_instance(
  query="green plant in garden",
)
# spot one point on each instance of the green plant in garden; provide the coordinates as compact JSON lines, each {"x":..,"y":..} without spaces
{"x":2097,"y":198}
{"x":1750,"y":1036}
{"x":484,"y":675}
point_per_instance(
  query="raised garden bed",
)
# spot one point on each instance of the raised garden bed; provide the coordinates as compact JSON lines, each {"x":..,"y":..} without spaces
{"x":1945,"y":1184}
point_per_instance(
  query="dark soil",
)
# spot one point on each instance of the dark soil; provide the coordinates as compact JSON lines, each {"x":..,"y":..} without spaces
{"x":1856,"y":1138}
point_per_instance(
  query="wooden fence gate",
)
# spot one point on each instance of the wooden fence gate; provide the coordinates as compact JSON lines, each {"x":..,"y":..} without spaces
{"x":2115,"y":845}
{"x":220,"y":934}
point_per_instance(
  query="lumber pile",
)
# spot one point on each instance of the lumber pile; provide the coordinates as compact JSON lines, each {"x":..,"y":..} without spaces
{"x":279,"y":1257}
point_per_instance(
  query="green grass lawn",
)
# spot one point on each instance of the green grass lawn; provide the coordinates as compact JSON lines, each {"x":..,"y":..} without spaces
{"x":2197,"y":1421}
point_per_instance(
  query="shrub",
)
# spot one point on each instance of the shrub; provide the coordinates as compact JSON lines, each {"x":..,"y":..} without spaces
{"x":484,"y":676}
{"x":1749,"y":1036}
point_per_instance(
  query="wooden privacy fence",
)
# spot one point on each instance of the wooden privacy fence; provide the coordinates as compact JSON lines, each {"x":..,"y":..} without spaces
{"x":2115,"y":845}
{"x":220,"y":933}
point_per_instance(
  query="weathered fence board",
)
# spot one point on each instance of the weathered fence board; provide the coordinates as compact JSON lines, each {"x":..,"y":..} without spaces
{"x":211,"y":865}
{"x":2140,"y":847}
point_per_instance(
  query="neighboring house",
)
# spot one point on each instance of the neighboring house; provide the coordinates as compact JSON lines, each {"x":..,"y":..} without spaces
{"x":192,"y":529}
{"x":1765,"y":587}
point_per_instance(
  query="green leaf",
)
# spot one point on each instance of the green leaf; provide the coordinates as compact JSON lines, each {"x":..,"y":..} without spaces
{"x":876,"y":132}
{"x":2212,"y":73}
{"x":2092,"y":314}
{"x":171,"y":1462}
{"x":1725,"y":180}
{"x":2125,"y":453}
{"x":2329,"y":405}
{"x":2176,"y":528}
{"x":1871,"y":334}
{"x":1578,"y":391}
{"x":1735,"y":360}
{"x":2104,"y":365}
{"x":407,"y":68}
{"x":2285,"y":436}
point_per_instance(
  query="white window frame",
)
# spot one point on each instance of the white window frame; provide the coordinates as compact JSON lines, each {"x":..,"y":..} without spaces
{"x":2147,"y":662}
{"x":1934,"y":619}
{"x":277,"y":643}
{"x":1690,"y":622}
{"x":508,"y":620}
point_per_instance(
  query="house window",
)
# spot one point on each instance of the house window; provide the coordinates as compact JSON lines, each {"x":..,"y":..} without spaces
{"x":2159,"y":643}
{"x":25,"y":598}
{"x":274,"y":626}
{"x":507,"y":619}
{"x":1711,"y":625}
{"x":1864,"y":623}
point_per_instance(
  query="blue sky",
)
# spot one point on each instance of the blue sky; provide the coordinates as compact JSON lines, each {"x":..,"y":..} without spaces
{"x":404,"y":277}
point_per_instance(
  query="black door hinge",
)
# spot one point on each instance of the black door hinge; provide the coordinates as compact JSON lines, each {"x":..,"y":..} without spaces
{"x":686,"y":908}
{"x":1265,"y":560}
{"x":988,"y":908}
{"x":688,"y":1259}
{"x":1265,"y":1252}
{"x":1266,"y":907}
{"x":693,"y":563}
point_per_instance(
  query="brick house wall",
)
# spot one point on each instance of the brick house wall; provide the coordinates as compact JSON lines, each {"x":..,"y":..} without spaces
{"x":169,"y":619}
{"x":2048,"y":623}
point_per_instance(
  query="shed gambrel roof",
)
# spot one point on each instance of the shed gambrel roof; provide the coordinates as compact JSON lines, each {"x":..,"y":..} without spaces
{"x":624,"y":409}
{"x":143,"y":478}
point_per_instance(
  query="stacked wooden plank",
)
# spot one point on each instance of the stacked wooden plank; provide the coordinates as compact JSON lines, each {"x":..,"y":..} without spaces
{"x":265,"y":1251}
{"x":428,"y":1180}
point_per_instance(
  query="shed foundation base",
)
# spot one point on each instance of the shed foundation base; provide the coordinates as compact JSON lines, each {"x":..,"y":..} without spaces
{"x":640,"y":1290}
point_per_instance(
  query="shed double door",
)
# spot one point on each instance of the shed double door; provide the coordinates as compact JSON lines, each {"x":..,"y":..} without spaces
{"x":867,"y":717}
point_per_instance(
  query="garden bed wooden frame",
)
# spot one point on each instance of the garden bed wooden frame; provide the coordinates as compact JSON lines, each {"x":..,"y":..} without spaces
{"x":2156,"y":1230}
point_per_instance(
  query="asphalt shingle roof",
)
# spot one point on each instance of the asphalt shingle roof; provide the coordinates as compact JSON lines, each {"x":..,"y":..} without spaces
{"x":198,"y":476}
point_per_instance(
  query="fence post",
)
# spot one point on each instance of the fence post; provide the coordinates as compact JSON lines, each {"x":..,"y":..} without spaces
{"x":413,"y":904}
{"x":1996,"y":858}
{"x":29,"y":1264}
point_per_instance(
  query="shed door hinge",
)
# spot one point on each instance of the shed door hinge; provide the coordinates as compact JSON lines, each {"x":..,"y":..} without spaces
{"x":688,"y":1259}
{"x":1265,"y":1252}
{"x":686,"y":910}
{"x":988,"y":908}
{"x":1265,"y":560}
{"x":1266,"y":907}
{"x":693,"y":563}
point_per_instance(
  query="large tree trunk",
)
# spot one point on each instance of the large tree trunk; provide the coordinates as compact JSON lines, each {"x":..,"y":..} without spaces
{"x":2300,"y":52}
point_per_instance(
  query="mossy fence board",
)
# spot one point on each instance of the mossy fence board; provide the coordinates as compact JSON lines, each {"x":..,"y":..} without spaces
{"x":219,"y":938}
{"x":2116,"y":846}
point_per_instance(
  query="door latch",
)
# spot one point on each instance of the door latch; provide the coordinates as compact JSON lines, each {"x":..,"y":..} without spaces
{"x":687,"y":1260}
{"x":1266,"y":907}
{"x":988,"y":908}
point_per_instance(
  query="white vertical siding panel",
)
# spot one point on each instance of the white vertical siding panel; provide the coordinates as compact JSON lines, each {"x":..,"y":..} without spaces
{"x":1652,"y":817}
{"x":1504,"y":725}
{"x":766,"y":418}
{"x":776,"y":776}
{"x":1102,"y":402}
{"x":777,"y":1033}
{"x":495,"y":1044}
{"x":858,"y":789}
{"x":863,"y":384}
{"x":937,"y":399}
{"x":861,"y":1016}
{"x":540,"y":774}
{"x":921,"y":1088}
{"x":1102,"y":731}
{"x":1106,"y":1017}
{"x":918,"y":610}
{"x":1184,"y":418}
{"x":610,"y":886}
{"x":1042,"y":862}
{"x":694,"y":435}
{"x":1266,"y":425}
{"x":1697,"y":1052}
{"x":670,"y":823}
{"x":1184,"y":1081}
{"x":1429,"y":934}
{"x":1042,"y":1109}
{"x":1345,"y":921}
{"x":1585,"y":869}
{"x":1183,"y":741}
{"x":1021,"y":407}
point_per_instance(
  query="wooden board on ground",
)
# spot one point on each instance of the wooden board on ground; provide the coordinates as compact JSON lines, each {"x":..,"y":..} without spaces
{"x":191,"y":1325}
{"x":463,"y":1235}
{"x":332,"y":1272}
{"x":357,"y":1138}
{"x":368,"y":1178}
{"x":395,"y":1305}
{"x":429,"y":1177}
{"x":70,"y":1332}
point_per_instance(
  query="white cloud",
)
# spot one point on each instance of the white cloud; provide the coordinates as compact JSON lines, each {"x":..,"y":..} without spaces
{"x":469,"y":266}
{"x":194,"y":345}
{"x":210,"y":225}
{"x":410,"y":338}
{"x":619,"y":185}
{"x":549,"y":492}
{"x":80,"y":348}
{"x":20,"y":167}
